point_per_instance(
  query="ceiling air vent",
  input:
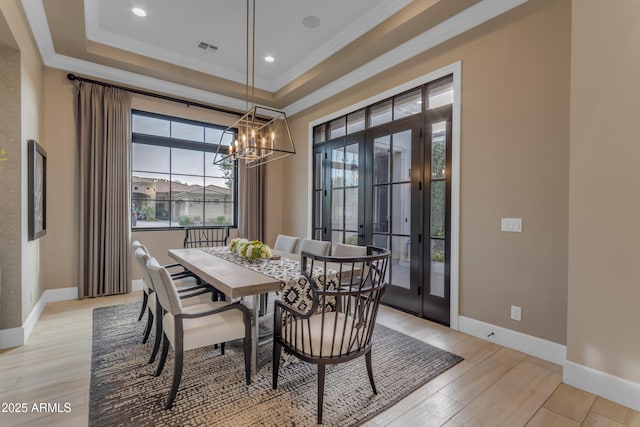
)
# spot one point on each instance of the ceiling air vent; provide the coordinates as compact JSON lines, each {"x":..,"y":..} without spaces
{"x":207,"y":46}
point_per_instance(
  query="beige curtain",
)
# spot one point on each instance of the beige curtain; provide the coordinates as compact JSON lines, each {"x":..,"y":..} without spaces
{"x":104,"y":117}
{"x":251,"y":203}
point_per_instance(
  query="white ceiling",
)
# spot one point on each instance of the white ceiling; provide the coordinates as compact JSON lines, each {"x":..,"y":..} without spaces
{"x":172,"y":30}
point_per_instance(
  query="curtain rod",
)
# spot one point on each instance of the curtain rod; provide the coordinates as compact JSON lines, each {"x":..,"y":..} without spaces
{"x":73,"y":77}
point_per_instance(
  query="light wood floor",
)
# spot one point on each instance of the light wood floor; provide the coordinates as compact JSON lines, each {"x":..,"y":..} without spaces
{"x":492,"y":386}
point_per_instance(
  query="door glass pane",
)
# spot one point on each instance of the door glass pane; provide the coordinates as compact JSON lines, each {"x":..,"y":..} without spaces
{"x":317,"y":234}
{"x":381,"y":209}
{"x":381,"y":149}
{"x":438,"y":150}
{"x":318,"y":171}
{"x":437,"y":268}
{"x":337,"y":128}
{"x":400,"y":261}
{"x":351,"y":238}
{"x":440,"y":95}
{"x":355,"y":121}
{"x":438,"y":201}
{"x":337,"y":167}
{"x":402,"y":156}
{"x":351,"y":208}
{"x":401,"y":209}
{"x":319,"y":134}
{"x":337,"y":208}
{"x":380,"y":113}
{"x":336,"y":237}
{"x":187,"y":162}
{"x":318,"y":209}
{"x":351,"y":173}
{"x":407,"y":104}
{"x":382,"y":241}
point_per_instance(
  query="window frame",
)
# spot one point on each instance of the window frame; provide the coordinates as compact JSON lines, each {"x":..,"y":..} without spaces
{"x":171,"y":142}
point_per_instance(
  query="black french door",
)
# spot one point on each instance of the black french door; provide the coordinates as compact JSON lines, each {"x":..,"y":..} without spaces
{"x":388,"y":184}
{"x":394,"y":207}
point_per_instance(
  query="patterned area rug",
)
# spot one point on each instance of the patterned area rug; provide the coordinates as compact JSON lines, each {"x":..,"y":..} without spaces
{"x":213,"y":391}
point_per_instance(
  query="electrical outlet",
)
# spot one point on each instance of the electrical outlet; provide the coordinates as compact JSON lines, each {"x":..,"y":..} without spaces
{"x":516,"y":313}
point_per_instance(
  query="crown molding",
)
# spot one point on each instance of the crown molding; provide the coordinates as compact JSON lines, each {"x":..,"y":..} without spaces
{"x":464,"y":21}
{"x":475,"y":15}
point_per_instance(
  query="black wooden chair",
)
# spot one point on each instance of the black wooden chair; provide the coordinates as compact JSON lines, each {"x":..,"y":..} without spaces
{"x":202,"y":237}
{"x":339,"y":324}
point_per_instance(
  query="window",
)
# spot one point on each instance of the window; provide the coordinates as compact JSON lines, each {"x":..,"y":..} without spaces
{"x":174,"y":182}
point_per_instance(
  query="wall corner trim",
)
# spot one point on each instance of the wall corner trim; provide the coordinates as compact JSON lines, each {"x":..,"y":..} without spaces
{"x":533,"y":346}
{"x":616,"y":389}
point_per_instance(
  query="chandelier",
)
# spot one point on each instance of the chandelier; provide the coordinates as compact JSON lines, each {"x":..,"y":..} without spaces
{"x":262,"y":134}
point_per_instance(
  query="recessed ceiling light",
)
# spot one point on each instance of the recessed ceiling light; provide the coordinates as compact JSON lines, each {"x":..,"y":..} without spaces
{"x":269,"y":58}
{"x":139,"y":12}
{"x":311,"y":22}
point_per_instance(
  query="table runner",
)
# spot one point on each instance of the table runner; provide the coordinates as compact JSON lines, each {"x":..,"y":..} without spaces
{"x":295,"y":289}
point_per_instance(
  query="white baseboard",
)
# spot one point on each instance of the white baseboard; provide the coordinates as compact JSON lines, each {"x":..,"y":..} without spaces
{"x":533,"y":346}
{"x":616,"y":389}
{"x":16,"y":337}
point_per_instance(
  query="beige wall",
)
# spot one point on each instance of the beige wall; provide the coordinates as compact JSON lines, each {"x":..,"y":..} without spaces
{"x":604,"y":239}
{"x":63,"y":207}
{"x":29,"y":120}
{"x":514,"y":162}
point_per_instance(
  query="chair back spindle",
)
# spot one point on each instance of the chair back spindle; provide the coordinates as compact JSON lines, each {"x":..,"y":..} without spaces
{"x":202,"y":237}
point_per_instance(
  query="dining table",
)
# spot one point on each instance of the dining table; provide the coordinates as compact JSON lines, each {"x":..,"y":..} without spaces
{"x":240,"y":278}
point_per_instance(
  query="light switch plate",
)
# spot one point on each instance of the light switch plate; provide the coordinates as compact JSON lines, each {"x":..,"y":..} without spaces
{"x":513,"y":225}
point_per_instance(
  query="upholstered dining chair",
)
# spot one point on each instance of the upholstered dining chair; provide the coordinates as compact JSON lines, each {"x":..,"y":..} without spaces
{"x":190,"y":279}
{"x":187,"y":287}
{"x":339,"y":324}
{"x":196,"y":326}
{"x":342,"y":249}
{"x":286,"y":243}
{"x":315,"y":247}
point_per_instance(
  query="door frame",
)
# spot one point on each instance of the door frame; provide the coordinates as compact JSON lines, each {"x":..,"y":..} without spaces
{"x":454,"y":69}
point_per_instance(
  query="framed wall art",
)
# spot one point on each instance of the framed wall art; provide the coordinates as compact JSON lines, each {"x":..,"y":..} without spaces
{"x":37,"y":165}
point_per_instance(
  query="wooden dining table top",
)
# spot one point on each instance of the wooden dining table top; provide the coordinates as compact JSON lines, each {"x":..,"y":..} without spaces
{"x":232,"y":279}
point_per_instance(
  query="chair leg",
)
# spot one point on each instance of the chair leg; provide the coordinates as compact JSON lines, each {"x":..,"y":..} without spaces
{"x":163,"y":356}
{"x":145,"y":298}
{"x":367,"y":357}
{"x":222,"y":348}
{"x":177,"y":375}
{"x":147,"y":328}
{"x":277,"y":350}
{"x":159,"y":333}
{"x":320,"y":391}
{"x":247,"y":359}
